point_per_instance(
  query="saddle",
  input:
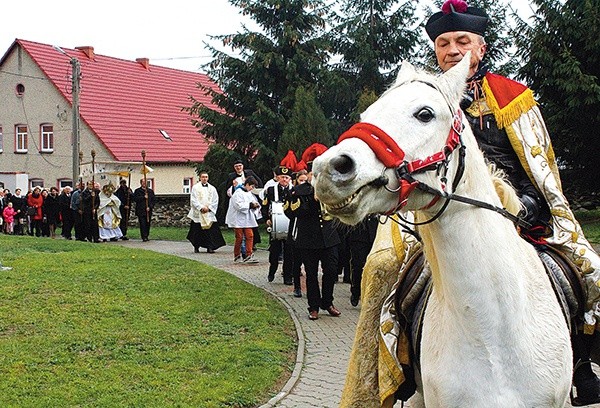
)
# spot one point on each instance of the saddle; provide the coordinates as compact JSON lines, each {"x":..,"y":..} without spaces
{"x":414,"y":288}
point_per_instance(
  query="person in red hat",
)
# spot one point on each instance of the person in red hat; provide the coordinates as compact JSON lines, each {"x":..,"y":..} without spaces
{"x":315,"y":240}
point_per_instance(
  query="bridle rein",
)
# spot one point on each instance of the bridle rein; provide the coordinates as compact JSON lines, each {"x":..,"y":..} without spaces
{"x":392,"y":156}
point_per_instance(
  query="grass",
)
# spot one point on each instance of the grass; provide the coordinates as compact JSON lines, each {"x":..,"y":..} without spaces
{"x":590,"y":222}
{"x":106,"y":326}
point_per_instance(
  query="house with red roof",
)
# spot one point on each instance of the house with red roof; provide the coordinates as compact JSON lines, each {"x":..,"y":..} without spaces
{"x":125,"y":108}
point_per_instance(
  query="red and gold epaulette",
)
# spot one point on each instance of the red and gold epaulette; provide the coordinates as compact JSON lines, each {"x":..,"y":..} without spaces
{"x":506,"y":98}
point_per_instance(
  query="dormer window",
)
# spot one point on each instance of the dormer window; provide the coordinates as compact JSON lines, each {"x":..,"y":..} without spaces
{"x":165,"y":134}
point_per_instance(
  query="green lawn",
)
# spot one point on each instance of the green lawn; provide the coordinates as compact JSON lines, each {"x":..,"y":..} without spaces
{"x":106,"y":326}
{"x":590,"y":222}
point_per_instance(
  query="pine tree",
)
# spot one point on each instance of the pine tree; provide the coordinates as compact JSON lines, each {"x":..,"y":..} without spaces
{"x":307,"y":125}
{"x":259,"y":81}
{"x":370,"y":39}
{"x":366,"y":99}
{"x":562,"y":54}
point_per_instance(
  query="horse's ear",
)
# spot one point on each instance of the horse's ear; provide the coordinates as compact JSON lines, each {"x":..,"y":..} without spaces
{"x":407,"y":72}
{"x":454,"y":79}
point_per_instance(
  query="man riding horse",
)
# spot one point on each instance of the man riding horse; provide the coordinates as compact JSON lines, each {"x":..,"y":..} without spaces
{"x":510,"y":130}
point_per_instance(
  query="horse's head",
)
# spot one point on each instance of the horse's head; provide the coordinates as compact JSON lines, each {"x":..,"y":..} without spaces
{"x":407,"y":131}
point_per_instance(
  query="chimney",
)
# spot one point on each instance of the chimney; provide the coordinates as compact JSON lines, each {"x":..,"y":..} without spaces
{"x":87,"y":50}
{"x":145,"y":62}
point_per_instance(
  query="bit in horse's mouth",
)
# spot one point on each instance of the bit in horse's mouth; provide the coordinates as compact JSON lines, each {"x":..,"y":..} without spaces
{"x":348,"y":200}
{"x":343,"y":203}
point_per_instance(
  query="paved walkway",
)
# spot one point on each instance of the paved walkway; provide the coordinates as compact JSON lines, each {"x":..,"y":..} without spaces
{"x":323,"y":345}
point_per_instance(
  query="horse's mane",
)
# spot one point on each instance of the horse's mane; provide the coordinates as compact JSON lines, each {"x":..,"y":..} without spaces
{"x":508,"y":196}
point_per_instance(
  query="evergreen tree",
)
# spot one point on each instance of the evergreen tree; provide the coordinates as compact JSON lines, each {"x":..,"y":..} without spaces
{"x":307,"y":125}
{"x":366,"y":99}
{"x":371,"y":38}
{"x":562,"y":53}
{"x":259,"y":82}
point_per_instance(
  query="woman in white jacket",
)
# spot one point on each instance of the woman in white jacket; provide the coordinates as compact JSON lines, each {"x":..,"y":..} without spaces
{"x":242,"y":215}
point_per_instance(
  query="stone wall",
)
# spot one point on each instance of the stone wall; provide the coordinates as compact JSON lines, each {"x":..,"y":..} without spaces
{"x":169,"y":211}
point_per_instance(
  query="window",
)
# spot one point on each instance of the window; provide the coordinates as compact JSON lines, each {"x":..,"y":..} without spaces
{"x":36,"y":183}
{"x":47,"y":132}
{"x":187,"y":185}
{"x":20,"y":89}
{"x":1,"y":141}
{"x":62,"y":183}
{"x":21,"y":139}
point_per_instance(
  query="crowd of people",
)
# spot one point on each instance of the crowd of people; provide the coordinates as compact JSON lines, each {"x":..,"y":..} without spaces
{"x":301,"y":234}
{"x":88,"y":213}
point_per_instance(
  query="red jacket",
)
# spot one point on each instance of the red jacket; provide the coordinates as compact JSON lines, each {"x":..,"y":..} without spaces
{"x":36,"y":202}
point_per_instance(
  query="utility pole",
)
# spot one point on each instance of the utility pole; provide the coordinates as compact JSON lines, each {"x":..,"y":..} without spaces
{"x":76,"y":71}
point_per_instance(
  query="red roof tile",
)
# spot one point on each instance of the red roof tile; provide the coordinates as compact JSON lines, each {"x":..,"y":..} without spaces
{"x":125,"y":104}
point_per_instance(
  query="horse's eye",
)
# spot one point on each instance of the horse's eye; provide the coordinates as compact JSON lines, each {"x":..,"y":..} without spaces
{"x":424,"y":115}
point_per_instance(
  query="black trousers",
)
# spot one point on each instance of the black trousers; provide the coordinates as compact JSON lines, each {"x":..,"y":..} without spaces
{"x":358,"y":257}
{"x":328,"y":257}
{"x":145,"y":225}
{"x":78,"y":225}
{"x":90,"y":227}
{"x":67,"y":223}
{"x":296,"y":266}
{"x":124,"y":221}
{"x":276,"y":248}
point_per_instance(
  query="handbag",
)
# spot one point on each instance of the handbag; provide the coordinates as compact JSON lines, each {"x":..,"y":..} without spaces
{"x":31,"y":210}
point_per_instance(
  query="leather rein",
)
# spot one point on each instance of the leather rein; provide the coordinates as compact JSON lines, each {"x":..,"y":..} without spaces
{"x":392,"y":156}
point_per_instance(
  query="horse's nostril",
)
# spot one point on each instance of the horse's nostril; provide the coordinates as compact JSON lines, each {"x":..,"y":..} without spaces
{"x":343,"y":164}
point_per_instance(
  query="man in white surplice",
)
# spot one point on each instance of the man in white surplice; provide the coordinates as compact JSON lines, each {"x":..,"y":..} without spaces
{"x":204,"y":229}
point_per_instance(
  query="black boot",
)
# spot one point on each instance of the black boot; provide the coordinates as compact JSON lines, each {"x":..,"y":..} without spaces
{"x":585,"y":381}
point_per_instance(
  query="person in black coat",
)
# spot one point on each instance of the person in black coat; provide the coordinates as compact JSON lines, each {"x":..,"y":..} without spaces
{"x":66,"y":214}
{"x":278,"y":246}
{"x":315,"y":240}
{"x":51,"y":211}
{"x":360,"y":241}
{"x":88,"y":207}
{"x":144,"y":199}
{"x":124,"y":194}
{"x":20,"y":205}
{"x":239,"y":171}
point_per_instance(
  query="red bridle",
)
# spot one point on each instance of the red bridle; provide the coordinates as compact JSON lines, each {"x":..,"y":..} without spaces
{"x":392,"y":156}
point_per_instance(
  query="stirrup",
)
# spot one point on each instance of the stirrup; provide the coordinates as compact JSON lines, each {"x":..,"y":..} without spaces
{"x":594,"y":381}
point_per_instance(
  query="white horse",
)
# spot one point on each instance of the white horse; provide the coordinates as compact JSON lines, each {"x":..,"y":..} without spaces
{"x":493,"y":332}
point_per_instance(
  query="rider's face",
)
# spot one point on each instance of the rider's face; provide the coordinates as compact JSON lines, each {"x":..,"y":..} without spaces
{"x":451,"y":47}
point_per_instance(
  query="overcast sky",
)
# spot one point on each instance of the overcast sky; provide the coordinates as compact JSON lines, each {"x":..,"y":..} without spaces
{"x":171,"y":33}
